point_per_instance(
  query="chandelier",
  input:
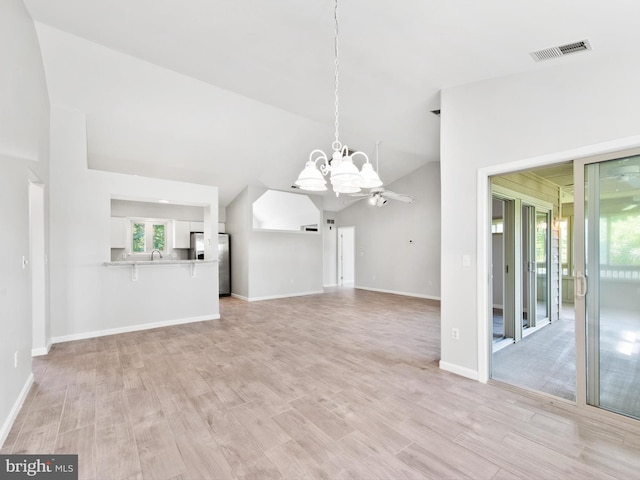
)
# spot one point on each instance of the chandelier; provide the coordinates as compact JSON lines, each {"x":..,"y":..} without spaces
{"x":344,"y":175}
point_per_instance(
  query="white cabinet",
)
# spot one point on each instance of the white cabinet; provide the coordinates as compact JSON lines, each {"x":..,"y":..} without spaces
{"x":118,"y":232}
{"x":182,"y":230}
{"x":197,"y":226}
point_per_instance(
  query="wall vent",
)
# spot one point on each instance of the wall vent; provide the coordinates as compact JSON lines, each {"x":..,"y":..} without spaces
{"x":560,"y":51}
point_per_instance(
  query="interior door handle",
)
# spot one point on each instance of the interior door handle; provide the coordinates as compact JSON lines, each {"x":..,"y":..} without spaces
{"x":581,"y":285}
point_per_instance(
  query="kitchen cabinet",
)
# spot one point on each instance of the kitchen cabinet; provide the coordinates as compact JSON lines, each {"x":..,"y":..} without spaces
{"x":118,"y":232}
{"x":197,"y":226}
{"x":182,"y":234}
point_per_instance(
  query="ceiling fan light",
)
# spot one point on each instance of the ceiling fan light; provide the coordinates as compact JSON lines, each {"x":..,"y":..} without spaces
{"x":370,"y":178}
{"x":311,"y":179}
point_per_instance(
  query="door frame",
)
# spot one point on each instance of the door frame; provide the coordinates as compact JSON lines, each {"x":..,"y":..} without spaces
{"x":604,"y":151}
{"x":350,"y":253}
{"x":514,"y":257}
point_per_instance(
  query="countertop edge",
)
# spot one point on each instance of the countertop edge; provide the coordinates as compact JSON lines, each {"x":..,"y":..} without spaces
{"x":128,"y":263}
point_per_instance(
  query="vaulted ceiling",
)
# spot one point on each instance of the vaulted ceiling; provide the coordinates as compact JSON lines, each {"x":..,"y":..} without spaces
{"x":237,"y":92}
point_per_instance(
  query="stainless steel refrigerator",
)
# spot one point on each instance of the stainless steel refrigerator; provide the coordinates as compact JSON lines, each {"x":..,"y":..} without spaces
{"x":196,"y":252}
{"x":224,"y":265}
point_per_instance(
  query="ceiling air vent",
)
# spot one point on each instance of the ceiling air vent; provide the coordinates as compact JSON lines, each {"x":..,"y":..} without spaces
{"x":555,"y":52}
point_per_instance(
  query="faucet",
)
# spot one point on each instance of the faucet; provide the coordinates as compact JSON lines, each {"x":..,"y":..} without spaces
{"x":154,"y":251}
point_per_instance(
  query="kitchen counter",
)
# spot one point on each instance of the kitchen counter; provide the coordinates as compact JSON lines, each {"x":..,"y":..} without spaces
{"x":128,"y":263}
{"x":135,"y":264}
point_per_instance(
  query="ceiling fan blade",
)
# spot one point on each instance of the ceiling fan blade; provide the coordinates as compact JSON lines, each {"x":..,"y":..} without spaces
{"x":361,"y":195}
{"x":398,"y":196}
{"x":634,"y":181}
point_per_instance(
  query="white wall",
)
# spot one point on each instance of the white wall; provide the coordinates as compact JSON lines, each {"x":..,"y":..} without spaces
{"x":24,"y":156}
{"x":238,"y":226}
{"x":87,"y":296}
{"x":398,"y":244}
{"x":585,"y":105}
{"x":271,"y":264}
{"x":125,"y":208}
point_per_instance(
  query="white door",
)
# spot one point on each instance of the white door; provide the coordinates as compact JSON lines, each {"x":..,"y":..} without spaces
{"x":346,"y":256}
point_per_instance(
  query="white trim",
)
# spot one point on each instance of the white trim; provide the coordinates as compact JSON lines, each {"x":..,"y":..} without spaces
{"x":286,"y":295}
{"x":240,"y":297}
{"x":458,"y":370}
{"x":330,"y":285}
{"x":38,"y":352}
{"x":13,"y":414}
{"x":500,"y":307}
{"x":483,"y":277}
{"x":132,"y":328}
{"x":395,"y":292}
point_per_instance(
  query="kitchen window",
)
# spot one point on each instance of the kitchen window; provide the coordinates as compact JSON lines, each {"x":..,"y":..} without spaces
{"x":148,"y":235}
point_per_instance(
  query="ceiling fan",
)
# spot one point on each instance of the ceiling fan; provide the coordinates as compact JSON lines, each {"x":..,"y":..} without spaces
{"x":379,"y":196}
{"x":625,"y":172}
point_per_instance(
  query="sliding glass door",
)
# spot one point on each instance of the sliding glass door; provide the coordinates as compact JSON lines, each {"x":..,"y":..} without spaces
{"x":535,"y":268}
{"x":608,"y":281}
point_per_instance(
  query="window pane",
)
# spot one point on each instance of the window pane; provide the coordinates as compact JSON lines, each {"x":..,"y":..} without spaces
{"x":158,"y":237}
{"x":564,"y":245}
{"x":138,"y":237}
{"x":624,"y":243}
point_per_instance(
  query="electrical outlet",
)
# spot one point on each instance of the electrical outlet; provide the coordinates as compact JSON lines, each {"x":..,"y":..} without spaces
{"x":455,"y":333}
{"x":15,"y":359}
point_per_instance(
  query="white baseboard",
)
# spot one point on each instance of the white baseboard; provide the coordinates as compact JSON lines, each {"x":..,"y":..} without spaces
{"x":395,"y":292}
{"x":330,"y":285}
{"x":132,"y":328}
{"x":458,"y":370}
{"x":240,"y":297}
{"x":500,"y":307}
{"x":286,"y":295}
{"x":38,"y":352}
{"x":13,"y":414}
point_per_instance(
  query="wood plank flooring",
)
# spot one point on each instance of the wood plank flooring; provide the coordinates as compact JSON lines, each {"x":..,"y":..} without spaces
{"x":344,"y":385}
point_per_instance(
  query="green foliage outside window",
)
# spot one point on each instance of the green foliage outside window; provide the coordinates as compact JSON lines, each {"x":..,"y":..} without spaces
{"x":139,"y":243}
{"x":158,"y":237}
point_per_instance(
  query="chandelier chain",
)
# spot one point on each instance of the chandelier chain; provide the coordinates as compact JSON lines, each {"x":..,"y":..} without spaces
{"x":337,"y":71}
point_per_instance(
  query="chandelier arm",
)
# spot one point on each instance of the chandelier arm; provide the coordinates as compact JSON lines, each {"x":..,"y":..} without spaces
{"x":321,"y":156}
{"x":361,"y":153}
{"x":324,"y":166}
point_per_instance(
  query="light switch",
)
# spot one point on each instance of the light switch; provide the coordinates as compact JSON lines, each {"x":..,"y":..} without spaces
{"x":466,"y":260}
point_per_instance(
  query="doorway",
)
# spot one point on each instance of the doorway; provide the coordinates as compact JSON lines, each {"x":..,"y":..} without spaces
{"x":537,"y":348}
{"x":346,"y":256}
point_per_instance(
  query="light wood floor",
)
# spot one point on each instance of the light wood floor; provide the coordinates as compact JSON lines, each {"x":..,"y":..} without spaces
{"x":343,"y":385}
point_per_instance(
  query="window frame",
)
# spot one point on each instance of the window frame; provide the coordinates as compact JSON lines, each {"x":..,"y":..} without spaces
{"x":149,"y":223}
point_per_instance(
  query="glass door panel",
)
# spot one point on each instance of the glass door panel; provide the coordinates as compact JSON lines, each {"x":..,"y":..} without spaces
{"x":612,"y":269}
{"x":542,"y":266}
{"x":528,"y":269}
